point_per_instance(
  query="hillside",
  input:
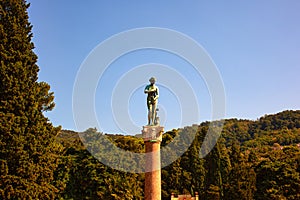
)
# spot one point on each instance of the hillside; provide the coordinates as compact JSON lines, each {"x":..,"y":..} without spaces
{"x":252,"y":160}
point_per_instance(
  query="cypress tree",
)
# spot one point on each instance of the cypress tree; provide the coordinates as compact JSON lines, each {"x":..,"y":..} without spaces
{"x":27,"y":146}
{"x":242,"y":178}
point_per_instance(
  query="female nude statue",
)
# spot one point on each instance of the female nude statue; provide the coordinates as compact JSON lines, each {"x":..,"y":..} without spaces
{"x":153,"y":94}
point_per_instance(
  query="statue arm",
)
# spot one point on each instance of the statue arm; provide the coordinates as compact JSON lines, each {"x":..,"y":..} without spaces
{"x":157,"y":94}
{"x":148,"y":90}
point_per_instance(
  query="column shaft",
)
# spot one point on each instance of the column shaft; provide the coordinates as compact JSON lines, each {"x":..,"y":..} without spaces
{"x":153,"y":176}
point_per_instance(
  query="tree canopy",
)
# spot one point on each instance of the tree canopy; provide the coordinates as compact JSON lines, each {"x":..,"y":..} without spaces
{"x":249,"y":161}
{"x":28,"y":153}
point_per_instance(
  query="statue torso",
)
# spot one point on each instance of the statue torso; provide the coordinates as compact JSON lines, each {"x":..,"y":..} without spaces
{"x":151,"y":94}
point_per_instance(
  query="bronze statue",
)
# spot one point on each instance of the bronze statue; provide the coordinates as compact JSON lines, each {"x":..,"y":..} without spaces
{"x":153,"y":94}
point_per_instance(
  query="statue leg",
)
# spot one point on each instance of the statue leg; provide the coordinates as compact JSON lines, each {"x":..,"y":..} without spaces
{"x":153,"y":115}
{"x":149,"y":110}
{"x":149,"y":114}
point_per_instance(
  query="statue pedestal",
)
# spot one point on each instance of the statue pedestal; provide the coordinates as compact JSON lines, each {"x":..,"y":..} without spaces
{"x":152,"y":136}
{"x":152,"y":133}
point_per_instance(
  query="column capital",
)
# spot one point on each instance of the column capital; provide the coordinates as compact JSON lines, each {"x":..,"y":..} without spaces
{"x":152,"y":133}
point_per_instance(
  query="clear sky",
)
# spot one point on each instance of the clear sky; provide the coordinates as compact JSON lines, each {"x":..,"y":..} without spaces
{"x":254,"y":44}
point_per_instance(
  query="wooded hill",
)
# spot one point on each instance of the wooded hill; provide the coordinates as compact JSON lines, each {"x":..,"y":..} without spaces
{"x":251,"y":160}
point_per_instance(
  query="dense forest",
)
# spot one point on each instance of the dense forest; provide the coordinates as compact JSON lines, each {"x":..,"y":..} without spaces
{"x":257,"y":159}
{"x":252,"y":160}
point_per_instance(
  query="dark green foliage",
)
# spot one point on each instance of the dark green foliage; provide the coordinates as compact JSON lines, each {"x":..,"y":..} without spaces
{"x":283,"y":120}
{"x":251,"y":160}
{"x":241,"y":178}
{"x":84,"y":177}
{"x":241,"y":166}
{"x":28,"y":153}
{"x":278,"y":175}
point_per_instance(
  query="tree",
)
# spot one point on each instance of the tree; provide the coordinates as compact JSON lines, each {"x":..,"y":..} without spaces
{"x":241,"y":183}
{"x":278,"y":175}
{"x":27,"y":147}
{"x":213,"y":183}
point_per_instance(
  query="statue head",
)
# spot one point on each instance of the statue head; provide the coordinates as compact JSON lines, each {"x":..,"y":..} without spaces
{"x":152,"y":80}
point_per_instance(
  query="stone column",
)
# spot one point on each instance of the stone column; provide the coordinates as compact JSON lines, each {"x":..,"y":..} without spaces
{"x":196,"y":196}
{"x":172,"y":196}
{"x":152,"y":136}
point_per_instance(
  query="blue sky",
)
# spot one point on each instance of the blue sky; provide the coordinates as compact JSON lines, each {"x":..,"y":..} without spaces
{"x":255,"y":45}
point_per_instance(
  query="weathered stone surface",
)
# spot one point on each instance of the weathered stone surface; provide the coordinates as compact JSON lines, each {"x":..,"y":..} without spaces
{"x":152,"y":133}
